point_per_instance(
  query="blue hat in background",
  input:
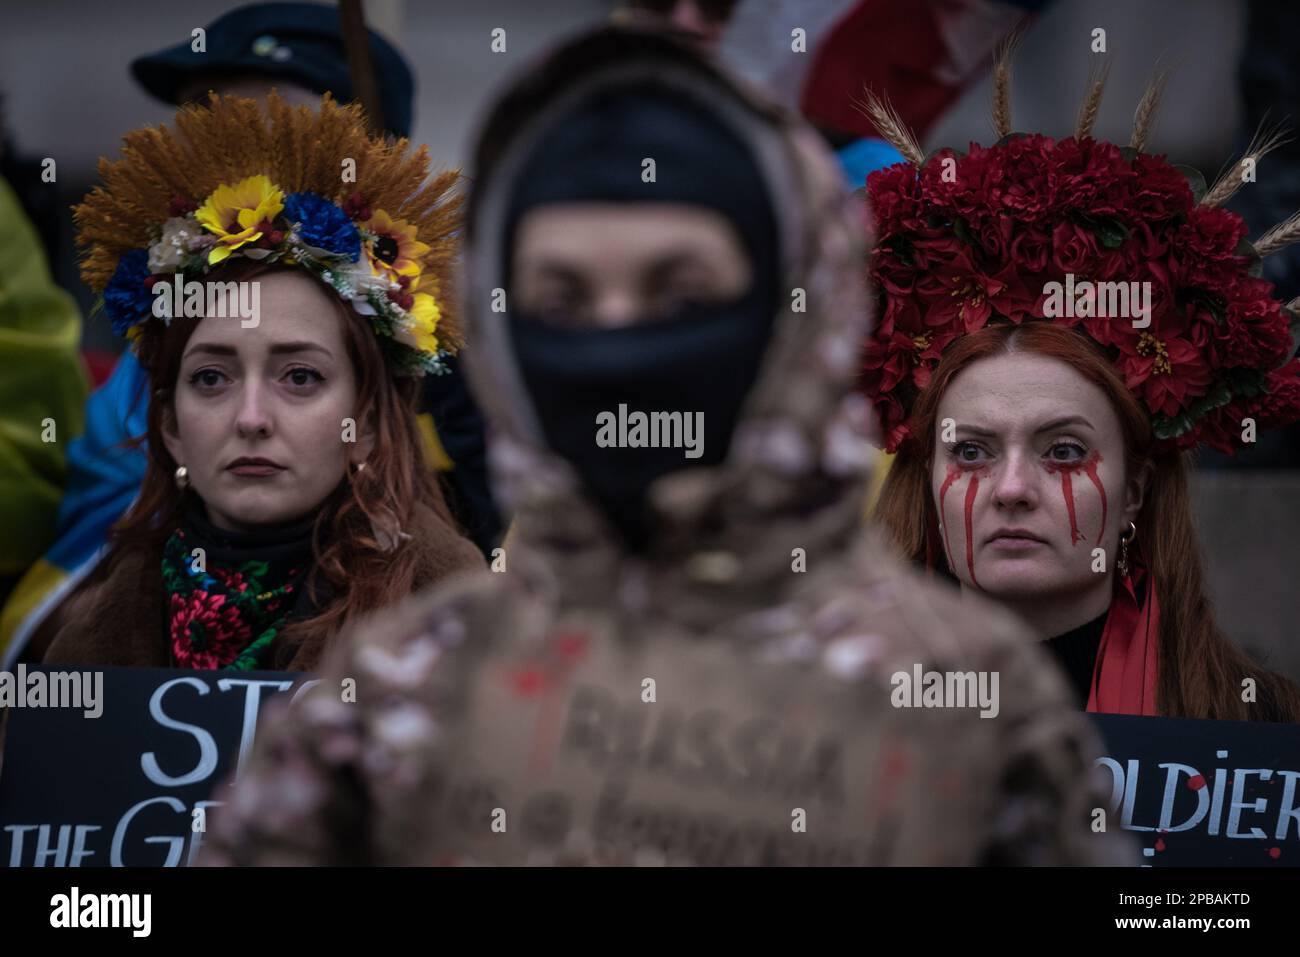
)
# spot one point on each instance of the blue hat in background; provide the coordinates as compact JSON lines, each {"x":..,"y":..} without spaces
{"x":301,"y":42}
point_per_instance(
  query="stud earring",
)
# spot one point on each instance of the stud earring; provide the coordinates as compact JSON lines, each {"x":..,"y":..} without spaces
{"x":182,"y":477}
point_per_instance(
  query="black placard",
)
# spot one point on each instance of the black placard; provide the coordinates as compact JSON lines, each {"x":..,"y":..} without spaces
{"x":1172,"y":772}
{"x":121,"y":789}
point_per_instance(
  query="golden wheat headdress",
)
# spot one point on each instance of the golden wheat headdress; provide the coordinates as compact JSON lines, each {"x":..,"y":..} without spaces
{"x":1084,"y":233}
{"x":238,"y":179}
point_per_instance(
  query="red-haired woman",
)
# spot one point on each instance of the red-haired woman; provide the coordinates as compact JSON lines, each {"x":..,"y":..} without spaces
{"x":1062,"y":322}
{"x":1049,"y":496}
{"x":285,"y":493}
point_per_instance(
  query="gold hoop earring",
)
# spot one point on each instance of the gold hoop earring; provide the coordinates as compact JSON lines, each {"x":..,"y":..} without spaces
{"x":1125,"y":539}
{"x":182,"y":477}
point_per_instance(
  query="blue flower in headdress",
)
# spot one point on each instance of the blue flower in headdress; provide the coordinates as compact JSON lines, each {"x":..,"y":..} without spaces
{"x":127,"y":300}
{"x":323,"y":225}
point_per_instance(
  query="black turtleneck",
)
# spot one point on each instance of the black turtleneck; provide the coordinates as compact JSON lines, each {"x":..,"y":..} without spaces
{"x":1076,"y":652}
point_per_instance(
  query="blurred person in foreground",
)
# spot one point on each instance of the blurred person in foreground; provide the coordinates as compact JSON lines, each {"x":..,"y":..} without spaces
{"x":693,"y":654}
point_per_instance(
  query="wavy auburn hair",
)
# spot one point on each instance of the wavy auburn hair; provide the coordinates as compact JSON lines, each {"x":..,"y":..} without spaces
{"x":1200,"y":669}
{"x":350,"y":567}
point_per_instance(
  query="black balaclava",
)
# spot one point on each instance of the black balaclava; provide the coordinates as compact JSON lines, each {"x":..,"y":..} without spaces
{"x":703,"y":359}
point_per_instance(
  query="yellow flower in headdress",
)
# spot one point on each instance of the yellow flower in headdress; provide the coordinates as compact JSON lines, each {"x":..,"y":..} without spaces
{"x":425,"y":313}
{"x":235,"y":214}
{"x":394,"y":252}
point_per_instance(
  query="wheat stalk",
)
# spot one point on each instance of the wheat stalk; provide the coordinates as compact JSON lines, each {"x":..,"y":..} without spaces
{"x":1092,"y":102}
{"x":1283,"y":234}
{"x":1265,"y":140}
{"x":891,"y":126}
{"x":1145,"y":114}
{"x":1002,"y":84}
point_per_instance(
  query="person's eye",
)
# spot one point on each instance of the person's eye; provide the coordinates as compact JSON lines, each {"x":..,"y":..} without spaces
{"x":557,"y":301}
{"x":690,"y":288}
{"x":561,"y":306}
{"x":208,"y":380}
{"x":968,"y":453}
{"x":680,"y":289}
{"x":303,"y":377}
{"x":1068,"y":452}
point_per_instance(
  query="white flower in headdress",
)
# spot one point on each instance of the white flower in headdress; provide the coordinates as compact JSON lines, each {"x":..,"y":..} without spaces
{"x":357,"y":283}
{"x":181,"y":238}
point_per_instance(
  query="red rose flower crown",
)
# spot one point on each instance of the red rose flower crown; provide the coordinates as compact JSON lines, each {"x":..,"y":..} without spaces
{"x":1135,"y":252}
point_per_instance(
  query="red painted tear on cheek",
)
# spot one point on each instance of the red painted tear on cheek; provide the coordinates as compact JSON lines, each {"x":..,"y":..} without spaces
{"x":1067,"y":489}
{"x":953,"y":473}
{"x":971,"y":491}
{"x":1090,"y":468}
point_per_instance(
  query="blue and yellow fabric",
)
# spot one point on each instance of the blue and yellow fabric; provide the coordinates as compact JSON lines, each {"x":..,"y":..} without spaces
{"x":104,"y":473}
{"x":42,"y":389}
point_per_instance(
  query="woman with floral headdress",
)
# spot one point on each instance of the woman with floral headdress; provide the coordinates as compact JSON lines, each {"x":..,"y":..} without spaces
{"x":1062,"y":322}
{"x":284,"y":280}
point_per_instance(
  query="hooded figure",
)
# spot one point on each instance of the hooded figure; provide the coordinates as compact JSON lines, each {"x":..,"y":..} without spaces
{"x":678,"y":658}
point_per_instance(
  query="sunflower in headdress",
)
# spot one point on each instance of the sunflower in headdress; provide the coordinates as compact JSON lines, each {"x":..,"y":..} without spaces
{"x":240,"y":214}
{"x":393,"y":248}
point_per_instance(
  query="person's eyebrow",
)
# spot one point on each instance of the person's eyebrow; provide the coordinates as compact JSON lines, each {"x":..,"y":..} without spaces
{"x":1051,"y":426}
{"x":555,"y":268}
{"x":1063,"y":422}
{"x":280,"y":348}
{"x":211,"y":348}
{"x":675,"y":259}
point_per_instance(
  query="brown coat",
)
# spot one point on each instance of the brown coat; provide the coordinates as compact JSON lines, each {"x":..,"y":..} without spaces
{"x":118,"y":617}
{"x":728,"y":697}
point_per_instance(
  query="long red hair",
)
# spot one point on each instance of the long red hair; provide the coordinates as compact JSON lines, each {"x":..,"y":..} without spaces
{"x":1200,"y":669}
{"x":350,"y":565}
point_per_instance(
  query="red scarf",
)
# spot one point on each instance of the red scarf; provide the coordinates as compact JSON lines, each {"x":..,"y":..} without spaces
{"x":1124,"y":678}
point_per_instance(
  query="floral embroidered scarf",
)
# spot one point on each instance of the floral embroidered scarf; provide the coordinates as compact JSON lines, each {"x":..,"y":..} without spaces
{"x":232,"y":593}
